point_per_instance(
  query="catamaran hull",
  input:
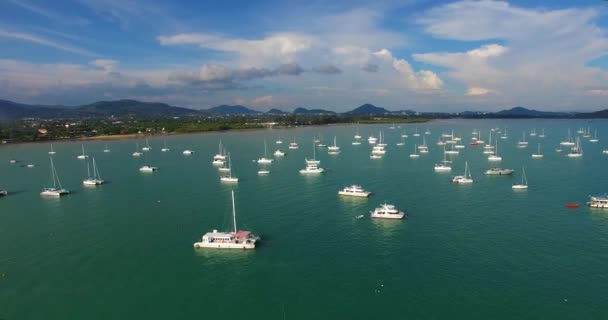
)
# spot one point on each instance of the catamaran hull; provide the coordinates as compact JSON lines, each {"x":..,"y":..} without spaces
{"x":214,"y":245}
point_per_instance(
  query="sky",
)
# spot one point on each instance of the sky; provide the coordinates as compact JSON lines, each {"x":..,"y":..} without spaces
{"x":336,"y":55}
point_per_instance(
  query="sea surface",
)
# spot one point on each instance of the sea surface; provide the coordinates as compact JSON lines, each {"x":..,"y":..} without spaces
{"x":124,"y":250}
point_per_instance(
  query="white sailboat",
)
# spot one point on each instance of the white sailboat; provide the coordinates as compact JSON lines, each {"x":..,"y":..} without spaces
{"x":187,"y":152}
{"x":229,"y":177}
{"x":279,"y":141}
{"x":333,"y":149}
{"x":146,"y":167}
{"x":228,"y":240}
{"x":444,"y":165}
{"x":137,"y":153}
{"x":466,"y":178}
{"x":56,"y":190}
{"x":95,"y":179}
{"x":524,"y":181}
{"x":538,"y":154}
{"x":568,"y":141}
{"x":415,"y":154}
{"x":294,"y":144}
{"x":495,"y":156}
{"x":542,"y":133}
{"x":52,"y":151}
{"x":357,"y":135}
{"x":314,"y":157}
{"x":594,"y":139}
{"x":147,"y":147}
{"x":423,"y":148}
{"x":106,"y":149}
{"x":577,"y":150}
{"x":265,"y":159}
{"x":401,"y":143}
{"x":83,"y":155}
{"x":522,"y":143}
{"x":165,"y":148}
{"x":533,"y":132}
{"x":416,"y":134}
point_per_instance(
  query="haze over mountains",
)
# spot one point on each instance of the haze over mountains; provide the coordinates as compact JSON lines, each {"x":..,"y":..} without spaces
{"x":10,"y":110}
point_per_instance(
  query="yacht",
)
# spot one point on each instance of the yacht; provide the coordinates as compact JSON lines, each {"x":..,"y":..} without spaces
{"x":265,"y":159}
{"x":523,"y":143}
{"x":52,"y":152}
{"x":499,"y":172}
{"x":381,"y":142}
{"x":354,"y":191}
{"x":524,"y":181}
{"x":263,"y":172}
{"x":416,"y":134}
{"x":451,"y":151}
{"x":165,"y":148}
{"x":504,"y":135}
{"x":12,"y":161}
{"x":577,"y":150}
{"x":542,"y":133}
{"x":533,"y":133}
{"x":279,"y":153}
{"x":56,"y":190}
{"x":221,"y":155}
{"x":587,"y":134}
{"x":228,"y":240}
{"x":427,"y":132}
{"x":378,"y":150}
{"x":443,"y":166}
{"x":466,"y":178}
{"x":333,"y":149}
{"x":401,"y":143}
{"x":357,"y":135}
{"x":147,"y":168}
{"x":594,"y":139}
{"x":137,"y":153}
{"x":448,"y":135}
{"x":187,"y":152}
{"x":440,"y":142}
{"x":375,"y":156}
{"x":423,"y":148}
{"x":356,"y":143}
{"x":372,"y":140}
{"x":537,"y":155}
{"x":106,"y":149}
{"x":147,"y":147}
{"x":404,"y":134}
{"x":279,"y":141}
{"x":293,"y":145}
{"x":229,"y":177}
{"x":599,"y":201}
{"x":3,"y":193}
{"x":312,"y":169}
{"x":95,"y":179}
{"x":83,"y":155}
{"x":559,"y":149}
{"x":605,"y":151}
{"x":387,"y":211}
{"x":415,"y":154}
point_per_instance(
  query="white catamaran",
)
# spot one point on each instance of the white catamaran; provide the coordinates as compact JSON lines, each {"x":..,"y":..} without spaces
{"x":95,"y":179}
{"x":237,"y":239}
{"x":56,"y":190}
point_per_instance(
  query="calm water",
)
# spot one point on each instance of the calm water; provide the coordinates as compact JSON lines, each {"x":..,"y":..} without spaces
{"x":124,"y":250}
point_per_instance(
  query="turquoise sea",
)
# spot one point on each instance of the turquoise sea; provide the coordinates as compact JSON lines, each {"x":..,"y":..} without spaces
{"x":482,"y":251}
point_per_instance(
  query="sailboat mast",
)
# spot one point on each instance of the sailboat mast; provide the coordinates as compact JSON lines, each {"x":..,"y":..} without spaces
{"x":233,"y":212}
{"x":89,"y":170}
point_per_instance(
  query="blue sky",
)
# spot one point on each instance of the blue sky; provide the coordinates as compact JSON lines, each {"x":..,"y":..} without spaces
{"x":409,"y":54}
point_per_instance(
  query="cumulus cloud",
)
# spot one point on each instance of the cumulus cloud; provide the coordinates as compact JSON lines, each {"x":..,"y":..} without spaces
{"x":327,"y":69}
{"x":423,"y":79}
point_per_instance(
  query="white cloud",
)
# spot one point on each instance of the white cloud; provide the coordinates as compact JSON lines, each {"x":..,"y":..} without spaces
{"x":423,"y":79}
{"x":478,"y":91}
{"x":105,"y":65}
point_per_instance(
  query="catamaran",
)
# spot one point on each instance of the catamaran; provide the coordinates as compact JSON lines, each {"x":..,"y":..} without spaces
{"x":466,"y":178}
{"x":229,"y":177}
{"x":228,"y":240}
{"x":537,"y":155}
{"x":83,"y":155}
{"x":56,"y":190}
{"x":52,"y":151}
{"x":95,"y":179}
{"x":265,"y":159}
{"x":387,"y":211}
{"x":354,"y":191}
{"x":221,"y":155}
{"x":524,"y":181}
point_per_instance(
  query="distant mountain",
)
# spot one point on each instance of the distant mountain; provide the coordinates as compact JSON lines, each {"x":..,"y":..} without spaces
{"x":591,"y":115}
{"x":10,"y":110}
{"x":121,"y":108}
{"x":276,"y":111}
{"x":226,"y":110}
{"x":366,"y":110}
{"x":521,"y":112}
{"x":312,"y":111}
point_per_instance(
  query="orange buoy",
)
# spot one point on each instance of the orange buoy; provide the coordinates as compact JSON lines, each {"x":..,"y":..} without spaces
{"x":572,"y":205}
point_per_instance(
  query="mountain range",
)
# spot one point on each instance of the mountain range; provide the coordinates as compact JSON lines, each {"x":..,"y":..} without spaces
{"x":10,"y":110}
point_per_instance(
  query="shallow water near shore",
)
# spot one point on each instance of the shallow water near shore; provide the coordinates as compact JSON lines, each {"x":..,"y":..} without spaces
{"x":123,"y":250}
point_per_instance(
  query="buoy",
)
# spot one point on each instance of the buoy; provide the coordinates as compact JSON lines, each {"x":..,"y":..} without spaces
{"x":572,"y":205}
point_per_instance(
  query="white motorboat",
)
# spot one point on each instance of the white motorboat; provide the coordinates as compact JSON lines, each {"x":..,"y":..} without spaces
{"x":56,"y":190}
{"x":466,"y":178}
{"x":147,"y":168}
{"x":354,"y":191}
{"x":599,"y":201}
{"x":524,"y":181}
{"x":387,"y":211}
{"x":312,"y":169}
{"x":95,"y":179}
{"x":499,"y":172}
{"x":279,"y":153}
{"x":243,"y":240}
